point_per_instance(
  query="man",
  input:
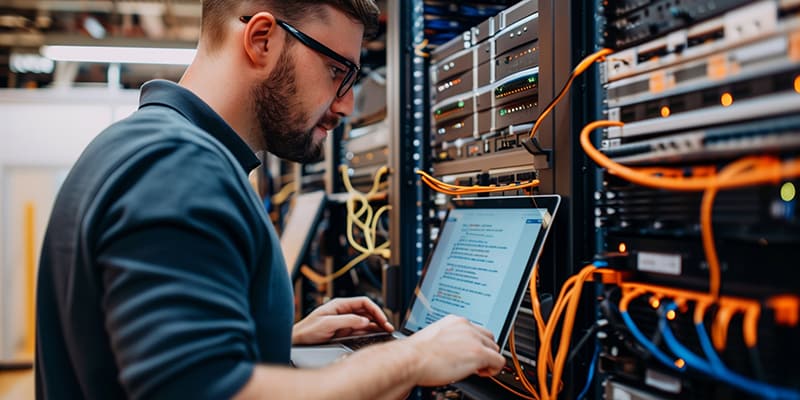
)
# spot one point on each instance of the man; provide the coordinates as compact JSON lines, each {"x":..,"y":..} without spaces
{"x":160,"y":276}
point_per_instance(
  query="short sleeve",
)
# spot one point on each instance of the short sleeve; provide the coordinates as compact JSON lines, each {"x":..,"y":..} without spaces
{"x":176,"y":248}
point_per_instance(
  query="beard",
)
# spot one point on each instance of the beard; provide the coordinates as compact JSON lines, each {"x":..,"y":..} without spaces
{"x":281,"y":118}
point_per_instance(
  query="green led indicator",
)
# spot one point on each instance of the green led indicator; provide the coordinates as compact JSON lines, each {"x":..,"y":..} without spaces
{"x":502,"y":112}
{"x":532,"y":79}
{"x":788,"y":192}
{"x":460,"y":104}
{"x":439,"y":111}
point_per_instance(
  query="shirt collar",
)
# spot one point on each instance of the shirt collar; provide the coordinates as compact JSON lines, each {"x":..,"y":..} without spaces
{"x":180,"y":99}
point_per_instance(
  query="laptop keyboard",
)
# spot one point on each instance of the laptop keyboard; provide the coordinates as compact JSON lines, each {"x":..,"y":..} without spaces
{"x":364,"y":341}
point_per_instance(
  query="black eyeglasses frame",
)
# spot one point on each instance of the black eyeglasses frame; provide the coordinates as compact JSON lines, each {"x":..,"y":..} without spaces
{"x":352,"y":69}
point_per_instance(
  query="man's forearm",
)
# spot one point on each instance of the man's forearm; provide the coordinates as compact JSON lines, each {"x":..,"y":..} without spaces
{"x":379,"y":372}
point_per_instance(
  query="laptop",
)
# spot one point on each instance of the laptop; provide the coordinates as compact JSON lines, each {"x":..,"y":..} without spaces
{"x":302,"y":220}
{"x":479,"y":269}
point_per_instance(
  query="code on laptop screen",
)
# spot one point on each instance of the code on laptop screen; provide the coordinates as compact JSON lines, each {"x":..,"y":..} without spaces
{"x":477,"y":266}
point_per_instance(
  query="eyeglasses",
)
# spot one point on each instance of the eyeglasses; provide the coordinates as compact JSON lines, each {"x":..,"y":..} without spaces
{"x":352,"y":69}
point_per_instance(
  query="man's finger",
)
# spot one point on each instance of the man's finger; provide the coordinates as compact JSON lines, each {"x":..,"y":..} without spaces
{"x":484,"y":332}
{"x":371,"y":328}
{"x":487,"y":372}
{"x":366,"y":307}
{"x":333,"y":323}
{"x":496,"y":362}
{"x":488,"y":342}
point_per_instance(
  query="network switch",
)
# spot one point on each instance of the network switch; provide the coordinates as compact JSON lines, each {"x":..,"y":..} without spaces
{"x":631,"y":22}
{"x":738,"y":27}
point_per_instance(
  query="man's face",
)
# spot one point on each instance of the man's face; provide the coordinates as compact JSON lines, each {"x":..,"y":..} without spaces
{"x":282,"y":118}
{"x":295,"y":107}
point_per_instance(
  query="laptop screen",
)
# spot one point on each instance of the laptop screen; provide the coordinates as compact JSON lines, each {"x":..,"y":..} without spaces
{"x":480,"y":265}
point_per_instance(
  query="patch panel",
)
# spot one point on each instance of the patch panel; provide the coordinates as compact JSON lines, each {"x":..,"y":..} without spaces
{"x":631,"y":369}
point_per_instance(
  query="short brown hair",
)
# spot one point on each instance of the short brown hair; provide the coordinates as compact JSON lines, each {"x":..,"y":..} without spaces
{"x":216,"y":13}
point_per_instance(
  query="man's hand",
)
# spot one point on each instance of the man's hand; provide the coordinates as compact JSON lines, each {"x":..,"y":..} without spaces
{"x":341,"y":317}
{"x":451,"y":349}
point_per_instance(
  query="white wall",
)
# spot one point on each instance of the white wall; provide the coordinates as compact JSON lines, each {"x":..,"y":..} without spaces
{"x":23,"y":187}
{"x":52,"y":126}
{"x":42,"y":133}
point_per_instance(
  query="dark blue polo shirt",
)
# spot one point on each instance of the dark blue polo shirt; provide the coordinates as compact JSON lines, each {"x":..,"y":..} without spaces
{"x":160,"y":276}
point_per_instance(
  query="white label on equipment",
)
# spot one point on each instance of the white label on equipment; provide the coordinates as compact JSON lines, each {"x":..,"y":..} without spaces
{"x":619,"y":394}
{"x":661,"y":263}
{"x":662,"y":381}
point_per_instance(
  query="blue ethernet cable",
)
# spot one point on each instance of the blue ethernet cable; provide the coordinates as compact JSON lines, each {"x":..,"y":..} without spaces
{"x":648,"y":345}
{"x":708,"y":349}
{"x":722,"y":373}
{"x":590,"y":377}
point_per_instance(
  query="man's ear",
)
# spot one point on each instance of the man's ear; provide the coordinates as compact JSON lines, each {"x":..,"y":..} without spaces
{"x":259,"y":38}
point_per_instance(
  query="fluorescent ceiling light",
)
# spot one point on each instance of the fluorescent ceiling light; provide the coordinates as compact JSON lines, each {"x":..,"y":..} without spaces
{"x":122,"y":55}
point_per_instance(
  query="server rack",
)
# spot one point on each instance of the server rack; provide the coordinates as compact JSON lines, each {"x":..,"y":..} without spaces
{"x":477,"y":136}
{"x":699,"y":87}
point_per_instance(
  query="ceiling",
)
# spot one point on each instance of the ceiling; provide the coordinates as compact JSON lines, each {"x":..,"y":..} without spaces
{"x":26,"y":25}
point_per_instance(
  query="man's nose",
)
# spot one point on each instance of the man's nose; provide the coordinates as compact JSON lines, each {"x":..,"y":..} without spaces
{"x":343,"y":106}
